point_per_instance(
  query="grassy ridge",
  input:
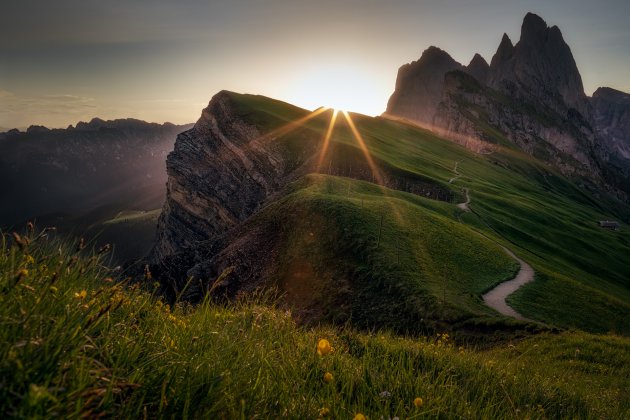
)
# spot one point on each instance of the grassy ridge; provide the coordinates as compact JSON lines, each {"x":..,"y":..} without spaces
{"x":380,"y":258}
{"x":74,"y":344}
{"x":545,"y":218}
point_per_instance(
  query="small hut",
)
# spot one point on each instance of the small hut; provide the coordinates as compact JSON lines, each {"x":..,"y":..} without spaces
{"x":609,"y":224}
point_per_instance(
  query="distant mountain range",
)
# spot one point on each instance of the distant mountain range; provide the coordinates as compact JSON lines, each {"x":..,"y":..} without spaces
{"x":530,"y":95}
{"x":119,"y":164}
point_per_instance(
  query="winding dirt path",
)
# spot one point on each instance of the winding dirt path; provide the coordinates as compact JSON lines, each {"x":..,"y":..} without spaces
{"x":457,"y":174}
{"x":464,"y":205}
{"x":496,"y":298}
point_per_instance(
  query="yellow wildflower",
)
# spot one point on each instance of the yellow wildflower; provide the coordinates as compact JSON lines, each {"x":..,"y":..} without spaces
{"x":323,"y":347}
{"x":418,"y":402}
{"x":359,"y":416}
{"x":81,"y":295}
{"x":328,"y":377}
{"x":323,"y":412}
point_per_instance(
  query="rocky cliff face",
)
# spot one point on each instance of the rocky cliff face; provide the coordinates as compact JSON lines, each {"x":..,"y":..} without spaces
{"x":531,"y":94}
{"x":612,"y":120}
{"x":479,"y":68}
{"x":419,"y":86}
{"x":219,"y":173}
{"x":540,"y":68}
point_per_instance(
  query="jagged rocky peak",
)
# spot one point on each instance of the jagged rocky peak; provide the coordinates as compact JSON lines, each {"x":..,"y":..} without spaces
{"x":478,"y":68}
{"x":533,"y":29}
{"x":504,"y":52}
{"x":540,"y":67}
{"x":419,"y":86}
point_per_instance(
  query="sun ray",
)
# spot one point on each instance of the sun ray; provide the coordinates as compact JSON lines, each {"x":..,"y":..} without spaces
{"x":273,"y":134}
{"x":375,"y":171}
{"x":368,"y":157}
{"x":291,"y":125}
{"x":331,"y":126}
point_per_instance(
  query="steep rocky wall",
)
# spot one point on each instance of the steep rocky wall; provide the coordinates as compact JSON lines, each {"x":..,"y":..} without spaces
{"x":218,"y":174}
{"x":468,"y":106}
{"x":612,"y":120}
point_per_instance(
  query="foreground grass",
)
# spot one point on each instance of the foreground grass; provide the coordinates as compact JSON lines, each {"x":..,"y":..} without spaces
{"x":75,"y":344}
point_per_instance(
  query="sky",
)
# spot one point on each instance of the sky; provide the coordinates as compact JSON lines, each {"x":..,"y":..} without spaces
{"x":66,"y":61}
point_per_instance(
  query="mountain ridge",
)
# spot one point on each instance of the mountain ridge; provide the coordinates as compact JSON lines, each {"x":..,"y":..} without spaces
{"x":50,"y":171}
{"x":531,"y":95}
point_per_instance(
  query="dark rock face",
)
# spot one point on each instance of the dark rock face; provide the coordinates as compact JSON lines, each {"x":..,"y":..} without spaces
{"x":72,"y":171}
{"x":419,"y":86}
{"x":612,"y":120}
{"x":504,"y":53}
{"x":540,"y":67}
{"x":219,"y":173}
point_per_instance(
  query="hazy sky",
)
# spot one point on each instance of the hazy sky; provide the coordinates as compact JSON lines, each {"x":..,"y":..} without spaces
{"x":68,"y":60}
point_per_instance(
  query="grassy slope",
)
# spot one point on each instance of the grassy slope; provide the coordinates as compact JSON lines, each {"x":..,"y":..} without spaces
{"x":332,"y":256}
{"x":517,"y":200}
{"x":75,"y":345}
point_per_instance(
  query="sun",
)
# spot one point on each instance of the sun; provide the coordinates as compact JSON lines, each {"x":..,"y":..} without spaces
{"x":340,"y":87}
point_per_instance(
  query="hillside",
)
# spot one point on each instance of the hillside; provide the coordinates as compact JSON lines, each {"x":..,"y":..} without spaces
{"x":76,"y":345}
{"x":401,"y":254}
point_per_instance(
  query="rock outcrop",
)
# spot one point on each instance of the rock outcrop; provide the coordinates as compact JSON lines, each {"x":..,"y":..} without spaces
{"x":540,"y":68}
{"x":478,"y":68}
{"x":611,"y":110}
{"x":419,"y":86}
{"x":219,"y":173}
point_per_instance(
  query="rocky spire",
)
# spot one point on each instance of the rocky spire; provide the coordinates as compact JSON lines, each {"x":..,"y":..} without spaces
{"x":478,"y":68}
{"x":540,"y":67}
{"x":504,"y":52}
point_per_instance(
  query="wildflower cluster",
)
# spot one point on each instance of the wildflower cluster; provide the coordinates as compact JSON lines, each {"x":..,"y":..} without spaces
{"x":443,"y":339}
